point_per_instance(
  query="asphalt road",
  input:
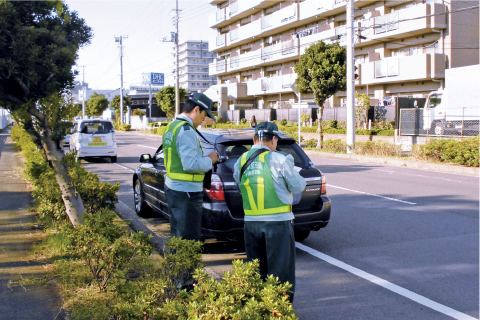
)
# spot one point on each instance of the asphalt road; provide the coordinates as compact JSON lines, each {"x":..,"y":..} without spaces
{"x":401,"y":243}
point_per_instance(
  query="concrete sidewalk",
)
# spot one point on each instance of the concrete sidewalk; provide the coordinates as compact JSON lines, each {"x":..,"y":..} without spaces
{"x":17,"y":237}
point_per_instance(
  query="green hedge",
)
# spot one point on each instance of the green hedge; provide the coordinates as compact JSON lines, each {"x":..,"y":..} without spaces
{"x":464,"y":152}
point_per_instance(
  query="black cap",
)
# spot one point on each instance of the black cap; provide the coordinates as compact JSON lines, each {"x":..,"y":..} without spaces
{"x":204,"y":102}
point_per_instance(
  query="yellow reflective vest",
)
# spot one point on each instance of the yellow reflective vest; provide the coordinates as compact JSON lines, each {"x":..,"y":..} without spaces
{"x":173,"y":163}
{"x":257,"y":187}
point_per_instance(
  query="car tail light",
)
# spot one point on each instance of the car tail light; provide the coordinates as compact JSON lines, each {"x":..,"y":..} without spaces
{"x":324,"y":185}
{"x":216,"y":189}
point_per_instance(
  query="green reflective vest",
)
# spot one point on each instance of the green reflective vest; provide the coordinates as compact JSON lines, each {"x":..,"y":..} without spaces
{"x":173,"y":162}
{"x":258,"y":191}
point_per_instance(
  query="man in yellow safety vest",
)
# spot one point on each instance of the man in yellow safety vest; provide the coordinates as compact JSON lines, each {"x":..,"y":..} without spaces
{"x":267,"y":181}
{"x":186,"y":167}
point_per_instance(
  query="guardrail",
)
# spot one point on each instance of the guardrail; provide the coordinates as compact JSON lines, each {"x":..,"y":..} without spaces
{"x":455,"y":122}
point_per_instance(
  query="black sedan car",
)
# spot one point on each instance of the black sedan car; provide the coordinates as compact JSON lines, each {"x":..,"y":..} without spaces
{"x":222,"y":201}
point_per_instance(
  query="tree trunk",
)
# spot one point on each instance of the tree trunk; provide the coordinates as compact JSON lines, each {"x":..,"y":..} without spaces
{"x":73,"y":202}
{"x":320,"y":127}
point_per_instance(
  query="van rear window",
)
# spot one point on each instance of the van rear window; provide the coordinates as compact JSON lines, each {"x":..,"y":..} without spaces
{"x":96,"y":127}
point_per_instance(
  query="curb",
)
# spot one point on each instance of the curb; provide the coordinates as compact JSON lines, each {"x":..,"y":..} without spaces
{"x":129,"y":216}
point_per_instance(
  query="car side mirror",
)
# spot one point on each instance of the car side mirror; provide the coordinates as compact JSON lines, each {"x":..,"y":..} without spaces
{"x":145,"y":158}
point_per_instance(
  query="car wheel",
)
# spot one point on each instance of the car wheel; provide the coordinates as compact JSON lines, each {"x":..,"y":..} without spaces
{"x":301,"y":235}
{"x":113,"y":159}
{"x":141,"y":208}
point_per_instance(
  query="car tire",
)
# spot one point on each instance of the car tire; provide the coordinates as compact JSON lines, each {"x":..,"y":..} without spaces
{"x":301,"y":235}
{"x":113,"y":159}
{"x":141,"y":208}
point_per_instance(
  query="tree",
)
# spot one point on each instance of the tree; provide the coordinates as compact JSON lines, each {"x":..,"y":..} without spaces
{"x":166,"y":100}
{"x":127,"y":102}
{"x":321,"y":70}
{"x":39,"y":41}
{"x":362,"y":104}
{"x":96,"y":105}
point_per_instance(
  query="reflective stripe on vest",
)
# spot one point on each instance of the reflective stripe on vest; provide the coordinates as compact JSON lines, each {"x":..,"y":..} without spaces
{"x":258,"y":191}
{"x":173,"y":162}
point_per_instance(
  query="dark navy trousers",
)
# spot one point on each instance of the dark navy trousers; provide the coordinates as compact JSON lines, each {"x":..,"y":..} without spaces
{"x":273,"y":244}
{"x":185,"y":213}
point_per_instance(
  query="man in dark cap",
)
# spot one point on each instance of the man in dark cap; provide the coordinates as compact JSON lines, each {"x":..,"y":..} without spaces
{"x":267,"y":181}
{"x":186,"y":167}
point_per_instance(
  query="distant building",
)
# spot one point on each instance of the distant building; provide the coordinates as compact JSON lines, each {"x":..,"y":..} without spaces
{"x":139,"y":95}
{"x":77,"y":92}
{"x":194,"y":59}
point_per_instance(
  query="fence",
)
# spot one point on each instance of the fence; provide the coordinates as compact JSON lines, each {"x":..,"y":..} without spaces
{"x":433,"y":122}
{"x":376,"y":113}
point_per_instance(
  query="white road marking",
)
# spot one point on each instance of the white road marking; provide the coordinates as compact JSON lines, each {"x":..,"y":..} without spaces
{"x":371,"y":194}
{"x":139,"y":145}
{"x":126,"y":168}
{"x":386,"y":284}
{"x":419,"y":175}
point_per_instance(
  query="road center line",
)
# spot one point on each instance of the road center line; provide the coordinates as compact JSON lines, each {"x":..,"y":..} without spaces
{"x":370,"y":194}
{"x":139,"y":145}
{"x":386,"y":284}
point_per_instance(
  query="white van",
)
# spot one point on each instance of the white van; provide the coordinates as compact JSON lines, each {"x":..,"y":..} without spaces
{"x":94,"y":138}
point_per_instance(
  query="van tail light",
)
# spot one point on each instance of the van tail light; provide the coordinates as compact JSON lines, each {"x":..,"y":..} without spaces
{"x":216,"y":189}
{"x":324,"y":185}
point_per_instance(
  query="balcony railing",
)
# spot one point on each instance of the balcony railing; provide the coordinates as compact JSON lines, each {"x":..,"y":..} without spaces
{"x":236,"y":8}
{"x":280,"y":17}
{"x":246,"y":60}
{"x":417,"y":19}
{"x":245,"y":32}
{"x":271,"y":85}
{"x":395,"y":69}
{"x":220,"y":41}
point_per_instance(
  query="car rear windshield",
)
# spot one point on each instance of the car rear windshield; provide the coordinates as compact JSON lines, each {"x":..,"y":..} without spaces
{"x":233,"y":152}
{"x":96,"y":127}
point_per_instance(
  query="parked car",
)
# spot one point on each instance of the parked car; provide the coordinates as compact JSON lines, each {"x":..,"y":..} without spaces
{"x":222,"y":203}
{"x":68,"y":127}
{"x":94,"y":138}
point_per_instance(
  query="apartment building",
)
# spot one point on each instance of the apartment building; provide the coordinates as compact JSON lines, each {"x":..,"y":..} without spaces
{"x":402,"y":47}
{"x":194,"y":59}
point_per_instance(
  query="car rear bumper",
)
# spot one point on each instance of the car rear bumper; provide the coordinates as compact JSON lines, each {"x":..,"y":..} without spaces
{"x":85,"y":152}
{"x":217,"y":215}
{"x":314,"y":220}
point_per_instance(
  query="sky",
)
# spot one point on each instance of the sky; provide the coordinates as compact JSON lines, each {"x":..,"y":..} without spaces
{"x":144,"y":23}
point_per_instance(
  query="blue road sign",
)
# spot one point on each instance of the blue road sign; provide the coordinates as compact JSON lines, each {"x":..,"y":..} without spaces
{"x":157,"y":78}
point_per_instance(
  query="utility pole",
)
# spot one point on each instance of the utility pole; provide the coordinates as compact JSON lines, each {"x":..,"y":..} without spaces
{"x":83,"y":92}
{"x":177,"y":82}
{"x":174,"y":40}
{"x":350,"y":79}
{"x":119,"y":39}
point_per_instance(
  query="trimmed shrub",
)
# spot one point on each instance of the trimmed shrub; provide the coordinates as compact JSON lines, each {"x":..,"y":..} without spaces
{"x":335,"y":145}
{"x":241,"y":294}
{"x":377,"y":148}
{"x":464,"y":152}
